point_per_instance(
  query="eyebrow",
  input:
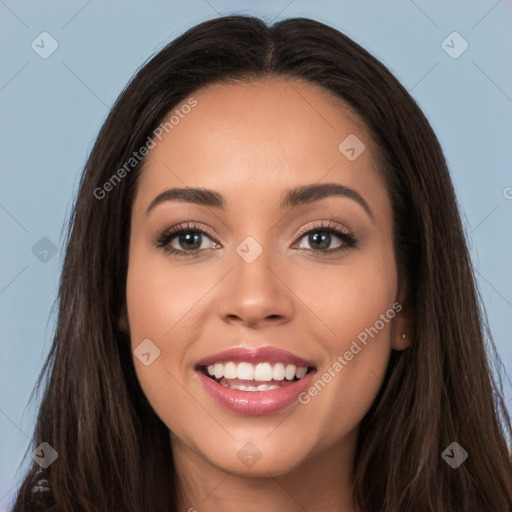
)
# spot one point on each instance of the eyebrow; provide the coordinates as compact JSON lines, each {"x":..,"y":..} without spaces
{"x":293,"y":197}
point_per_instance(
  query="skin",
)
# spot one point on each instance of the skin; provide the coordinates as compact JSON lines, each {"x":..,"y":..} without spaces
{"x":251,"y":142}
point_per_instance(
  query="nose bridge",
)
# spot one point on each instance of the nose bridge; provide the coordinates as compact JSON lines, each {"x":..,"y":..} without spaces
{"x":254,"y":293}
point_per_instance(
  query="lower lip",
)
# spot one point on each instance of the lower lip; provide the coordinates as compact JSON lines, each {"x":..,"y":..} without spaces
{"x":255,"y":402}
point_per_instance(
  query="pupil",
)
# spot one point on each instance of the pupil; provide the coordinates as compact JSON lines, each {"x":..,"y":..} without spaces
{"x":320,"y":239}
{"x":191,"y":240}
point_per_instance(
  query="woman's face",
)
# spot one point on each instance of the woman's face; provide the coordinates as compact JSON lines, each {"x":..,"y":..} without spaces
{"x":246,"y":277}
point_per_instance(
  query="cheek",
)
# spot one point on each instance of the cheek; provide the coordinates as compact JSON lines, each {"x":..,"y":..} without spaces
{"x":161,"y":296}
{"x":161,"y":302}
{"x":355,"y":301}
{"x":350,"y":296}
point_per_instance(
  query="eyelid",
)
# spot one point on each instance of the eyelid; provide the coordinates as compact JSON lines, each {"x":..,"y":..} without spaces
{"x":161,"y":239}
{"x":327,"y":225}
{"x":195,"y":226}
{"x":323,"y":224}
{"x":192,"y":226}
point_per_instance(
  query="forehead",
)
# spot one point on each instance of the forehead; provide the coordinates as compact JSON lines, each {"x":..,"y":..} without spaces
{"x":253,"y":140}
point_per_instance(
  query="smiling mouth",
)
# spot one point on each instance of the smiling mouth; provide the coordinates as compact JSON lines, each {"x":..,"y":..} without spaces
{"x":263,"y":376}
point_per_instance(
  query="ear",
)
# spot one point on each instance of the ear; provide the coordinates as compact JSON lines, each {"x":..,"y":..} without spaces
{"x":402,"y":332}
{"x":122,"y":321}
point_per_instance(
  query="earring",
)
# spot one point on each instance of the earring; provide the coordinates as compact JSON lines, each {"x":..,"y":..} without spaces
{"x":403,"y":339}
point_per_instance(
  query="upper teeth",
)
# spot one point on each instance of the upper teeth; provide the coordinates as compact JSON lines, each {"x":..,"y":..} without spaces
{"x":260,"y":371}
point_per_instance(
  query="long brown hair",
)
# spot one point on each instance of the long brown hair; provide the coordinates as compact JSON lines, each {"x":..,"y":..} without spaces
{"x":114,"y":452}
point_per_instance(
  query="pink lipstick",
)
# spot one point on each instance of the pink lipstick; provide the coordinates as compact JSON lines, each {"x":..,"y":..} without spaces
{"x":255,"y":381}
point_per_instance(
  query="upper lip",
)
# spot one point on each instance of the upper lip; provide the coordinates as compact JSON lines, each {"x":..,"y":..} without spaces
{"x":255,"y":355}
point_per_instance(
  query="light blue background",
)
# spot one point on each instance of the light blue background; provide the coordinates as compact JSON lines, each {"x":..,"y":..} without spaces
{"x":52,"y":110}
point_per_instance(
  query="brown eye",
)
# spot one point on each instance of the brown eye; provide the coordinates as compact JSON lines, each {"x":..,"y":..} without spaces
{"x":184,"y":240}
{"x":320,"y":240}
{"x":189,"y":240}
{"x":327,"y":240}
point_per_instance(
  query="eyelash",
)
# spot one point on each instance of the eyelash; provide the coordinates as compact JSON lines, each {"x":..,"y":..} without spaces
{"x":349,"y":240}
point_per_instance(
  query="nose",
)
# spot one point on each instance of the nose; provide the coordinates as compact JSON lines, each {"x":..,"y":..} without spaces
{"x":255,"y":294}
